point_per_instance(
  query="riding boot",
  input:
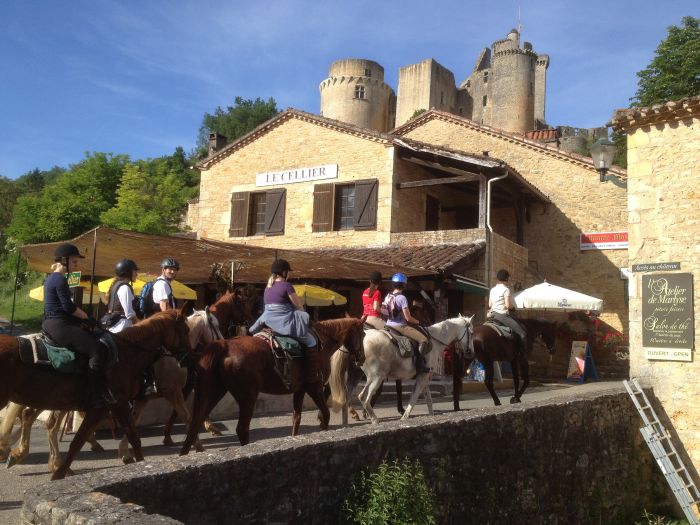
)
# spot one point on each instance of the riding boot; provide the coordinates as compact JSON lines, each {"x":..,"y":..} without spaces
{"x":312,"y":365}
{"x":100,"y":394}
{"x":150,"y":384}
{"x":421,"y":365}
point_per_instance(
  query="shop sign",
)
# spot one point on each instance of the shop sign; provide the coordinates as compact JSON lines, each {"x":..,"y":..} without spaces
{"x":604,"y":241}
{"x":291,"y":176}
{"x":73,"y":279}
{"x":667,"y":316}
{"x":656,"y":267}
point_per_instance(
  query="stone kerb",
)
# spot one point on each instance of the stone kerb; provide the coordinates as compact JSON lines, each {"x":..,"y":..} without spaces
{"x":572,"y":460}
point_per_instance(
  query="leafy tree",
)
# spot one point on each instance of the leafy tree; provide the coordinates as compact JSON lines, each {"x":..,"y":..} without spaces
{"x":235,"y":121}
{"x":418,"y":113}
{"x":674,"y":73}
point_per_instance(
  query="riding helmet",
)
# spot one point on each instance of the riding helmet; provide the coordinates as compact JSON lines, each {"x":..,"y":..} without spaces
{"x":375,"y":277}
{"x":169,"y":262}
{"x":399,"y":278}
{"x":66,"y":250}
{"x":279,"y":266}
{"x":502,"y":275}
{"x":125,"y":267}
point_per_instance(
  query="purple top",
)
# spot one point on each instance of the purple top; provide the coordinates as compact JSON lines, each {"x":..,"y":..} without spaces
{"x":398,"y":319}
{"x":278,"y":293}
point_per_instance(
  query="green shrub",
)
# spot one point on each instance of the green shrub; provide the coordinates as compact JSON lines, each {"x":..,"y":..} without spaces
{"x":653,"y":519}
{"x":396,"y":493}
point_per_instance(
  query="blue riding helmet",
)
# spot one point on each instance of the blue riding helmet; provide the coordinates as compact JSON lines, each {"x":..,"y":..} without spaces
{"x":399,"y":278}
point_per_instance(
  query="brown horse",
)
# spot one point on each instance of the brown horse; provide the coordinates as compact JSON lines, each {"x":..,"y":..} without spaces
{"x":138,"y":347}
{"x":489,"y":346}
{"x":244,"y":366}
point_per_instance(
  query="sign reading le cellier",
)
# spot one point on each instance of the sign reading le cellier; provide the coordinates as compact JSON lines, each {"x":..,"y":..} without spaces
{"x":667,"y":316}
{"x":290,"y":176}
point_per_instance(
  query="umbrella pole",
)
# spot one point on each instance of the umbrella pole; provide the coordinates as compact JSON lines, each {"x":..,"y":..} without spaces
{"x":92,"y":273}
{"x":14,"y":294}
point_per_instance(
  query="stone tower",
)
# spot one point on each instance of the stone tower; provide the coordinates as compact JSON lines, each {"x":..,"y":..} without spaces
{"x":355,"y":92}
{"x":426,"y":85}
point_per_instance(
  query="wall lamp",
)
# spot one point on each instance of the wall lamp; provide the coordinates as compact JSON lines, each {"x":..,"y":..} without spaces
{"x":602,"y":153}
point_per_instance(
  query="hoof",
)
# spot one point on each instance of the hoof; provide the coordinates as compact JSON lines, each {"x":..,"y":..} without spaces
{"x":97,"y":448}
{"x":11,"y":461}
{"x":127,"y":460}
{"x":514,"y":400}
{"x":497,"y":403}
{"x":168,"y":441}
{"x":198,"y":447}
{"x":355,"y":416}
{"x":215,"y":432}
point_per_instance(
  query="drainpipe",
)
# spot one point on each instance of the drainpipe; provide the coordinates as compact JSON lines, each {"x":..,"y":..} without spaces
{"x":489,"y":246}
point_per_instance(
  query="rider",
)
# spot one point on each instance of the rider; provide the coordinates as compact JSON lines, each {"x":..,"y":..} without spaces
{"x":284,"y":312}
{"x":400,"y":319}
{"x":500,"y":305}
{"x":62,"y":323}
{"x":121,"y":295}
{"x":371,"y":302}
{"x":162,"y":289}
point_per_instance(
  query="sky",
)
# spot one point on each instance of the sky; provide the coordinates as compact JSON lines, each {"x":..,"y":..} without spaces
{"x":136,"y":77}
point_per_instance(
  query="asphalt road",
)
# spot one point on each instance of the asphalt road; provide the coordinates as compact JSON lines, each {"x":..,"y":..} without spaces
{"x":14,"y":481}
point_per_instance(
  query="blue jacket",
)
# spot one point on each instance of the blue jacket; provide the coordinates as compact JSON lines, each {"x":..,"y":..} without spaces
{"x":58,"y":301}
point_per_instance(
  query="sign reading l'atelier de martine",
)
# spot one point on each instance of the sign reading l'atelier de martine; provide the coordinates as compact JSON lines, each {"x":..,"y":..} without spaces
{"x":667,"y":316}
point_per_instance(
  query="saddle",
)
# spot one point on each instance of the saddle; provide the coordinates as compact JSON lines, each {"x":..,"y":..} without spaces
{"x":406,"y":346}
{"x":284,"y":350}
{"x":502,"y":330}
{"x":40,"y":350}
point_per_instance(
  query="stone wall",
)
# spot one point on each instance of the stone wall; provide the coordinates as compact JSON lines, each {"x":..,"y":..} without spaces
{"x":576,"y":460}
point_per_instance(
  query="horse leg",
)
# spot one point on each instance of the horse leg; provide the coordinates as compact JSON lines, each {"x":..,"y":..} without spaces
{"x":123,"y":449}
{"x":526,"y":377}
{"x":366,"y":395}
{"x":514,"y":366}
{"x":19,"y":454}
{"x":7,"y":439}
{"x":429,"y":399}
{"x":245,"y":415}
{"x":399,"y":397}
{"x":206,"y":398}
{"x":316,"y":393}
{"x":181,"y":408}
{"x":123,"y":414}
{"x":488,"y":368}
{"x":296,"y":415}
{"x":91,"y":420}
{"x":421,"y":384}
{"x":53,"y":427}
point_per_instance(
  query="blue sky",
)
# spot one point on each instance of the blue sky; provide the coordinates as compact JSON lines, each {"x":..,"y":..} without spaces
{"x":136,"y":77}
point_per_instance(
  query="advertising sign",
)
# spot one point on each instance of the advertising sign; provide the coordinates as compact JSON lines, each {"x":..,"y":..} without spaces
{"x":656,"y":267}
{"x":604,"y":241}
{"x":290,"y":176}
{"x":577,"y":360}
{"x":73,"y":279}
{"x":667,"y":316}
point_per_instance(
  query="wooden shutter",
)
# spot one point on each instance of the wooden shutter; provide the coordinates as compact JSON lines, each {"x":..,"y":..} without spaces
{"x":239,"y":214}
{"x":365,"y":212}
{"x":323,"y":208}
{"x":274,"y":211}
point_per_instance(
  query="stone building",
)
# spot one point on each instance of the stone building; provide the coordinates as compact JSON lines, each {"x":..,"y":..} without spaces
{"x":664,"y":213}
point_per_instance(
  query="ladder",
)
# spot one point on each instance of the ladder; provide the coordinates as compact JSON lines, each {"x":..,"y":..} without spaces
{"x":665,"y":454}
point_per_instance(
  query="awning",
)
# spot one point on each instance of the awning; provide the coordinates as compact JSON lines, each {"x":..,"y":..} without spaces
{"x":197,"y":256}
{"x":470,"y":285}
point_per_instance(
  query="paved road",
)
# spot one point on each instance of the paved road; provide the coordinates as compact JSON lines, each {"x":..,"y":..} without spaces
{"x":14,"y":481}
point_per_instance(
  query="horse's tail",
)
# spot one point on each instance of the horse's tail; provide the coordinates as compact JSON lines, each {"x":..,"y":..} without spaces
{"x":338,"y":380}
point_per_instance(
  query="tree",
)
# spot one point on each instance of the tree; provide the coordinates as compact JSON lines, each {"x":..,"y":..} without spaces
{"x":236,"y":121}
{"x":674,"y":73}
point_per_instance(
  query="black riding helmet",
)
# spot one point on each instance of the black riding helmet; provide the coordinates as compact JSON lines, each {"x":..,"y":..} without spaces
{"x":169,"y":262}
{"x":66,"y":250}
{"x":375,"y":278}
{"x":125,"y":267}
{"x":279,"y":266}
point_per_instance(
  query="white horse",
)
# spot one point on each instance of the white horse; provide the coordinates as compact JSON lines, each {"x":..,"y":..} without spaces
{"x":170,"y":380}
{"x":383,"y":361}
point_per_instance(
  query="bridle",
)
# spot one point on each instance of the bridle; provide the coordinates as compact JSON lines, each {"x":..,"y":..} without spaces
{"x":458,"y":340}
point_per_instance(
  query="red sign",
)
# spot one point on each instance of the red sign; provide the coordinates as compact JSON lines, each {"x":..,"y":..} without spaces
{"x":604,"y":241}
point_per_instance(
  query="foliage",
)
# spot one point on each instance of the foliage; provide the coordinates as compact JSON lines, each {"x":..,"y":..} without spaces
{"x":674,"y":72}
{"x":396,"y":492}
{"x":417,"y":113}
{"x":620,"y":141}
{"x":32,"y":182}
{"x":28,"y":312}
{"x":653,"y":519}
{"x":600,"y":336}
{"x":235,"y":121}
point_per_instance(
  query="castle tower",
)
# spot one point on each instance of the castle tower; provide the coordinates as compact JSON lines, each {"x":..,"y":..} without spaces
{"x":355,"y":92}
{"x":425,"y":85}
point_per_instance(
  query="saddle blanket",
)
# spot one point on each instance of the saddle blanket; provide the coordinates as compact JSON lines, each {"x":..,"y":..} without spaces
{"x":282,"y":346}
{"x":39,"y":350}
{"x":406,"y":345}
{"x":503,"y":331}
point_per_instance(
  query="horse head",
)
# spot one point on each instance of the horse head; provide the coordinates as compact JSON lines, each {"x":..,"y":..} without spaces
{"x":233,"y":309}
{"x":203,"y":328}
{"x":354,"y":341}
{"x":465,"y":341}
{"x":168,"y":329}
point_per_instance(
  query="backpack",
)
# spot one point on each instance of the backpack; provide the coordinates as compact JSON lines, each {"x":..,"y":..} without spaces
{"x":388,"y":308}
{"x":146,"y":306}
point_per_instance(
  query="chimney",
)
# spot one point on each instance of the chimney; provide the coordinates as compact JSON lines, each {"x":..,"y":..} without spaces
{"x":216,"y":142}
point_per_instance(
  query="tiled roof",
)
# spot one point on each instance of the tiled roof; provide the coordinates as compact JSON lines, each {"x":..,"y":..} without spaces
{"x":542,"y":135}
{"x":442,"y":257}
{"x":624,"y":119}
{"x":516,"y":138}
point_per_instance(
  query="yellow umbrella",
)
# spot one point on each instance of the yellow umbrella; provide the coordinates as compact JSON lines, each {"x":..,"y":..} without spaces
{"x":38,"y":293}
{"x":312,"y":295}
{"x":180,"y":291}
{"x":105,"y":285}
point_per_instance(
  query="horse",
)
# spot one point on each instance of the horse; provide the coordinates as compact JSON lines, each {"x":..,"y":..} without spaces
{"x":383,"y":361}
{"x":244,"y":366}
{"x":489,"y":346}
{"x":138,"y":346}
{"x":170,"y":379}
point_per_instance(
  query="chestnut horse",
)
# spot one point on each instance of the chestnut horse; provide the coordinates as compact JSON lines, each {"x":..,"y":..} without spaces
{"x":138,"y":346}
{"x":489,"y":346}
{"x":244,"y":366}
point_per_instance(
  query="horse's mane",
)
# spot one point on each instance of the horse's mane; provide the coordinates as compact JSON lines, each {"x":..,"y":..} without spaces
{"x":336,"y":328}
{"x":147,"y":327}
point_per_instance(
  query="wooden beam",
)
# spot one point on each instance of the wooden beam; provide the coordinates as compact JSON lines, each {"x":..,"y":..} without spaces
{"x":438,"y":166}
{"x":482,"y":201}
{"x":435,"y":182}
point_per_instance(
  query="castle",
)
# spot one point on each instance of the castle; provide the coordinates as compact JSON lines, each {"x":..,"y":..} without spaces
{"x":505,"y":90}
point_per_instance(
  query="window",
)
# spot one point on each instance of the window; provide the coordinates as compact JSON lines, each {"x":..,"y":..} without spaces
{"x":258,"y":213}
{"x":442,"y":97}
{"x":368,"y":72}
{"x":485,"y":99}
{"x":469,"y":84}
{"x":360,"y":92}
{"x":486,"y":77}
{"x":532,"y":90}
{"x":345,"y":206}
{"x":432,"y":213}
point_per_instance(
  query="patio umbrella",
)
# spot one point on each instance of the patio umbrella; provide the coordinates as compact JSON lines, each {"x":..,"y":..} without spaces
{"x":38,"y":293}
{"x":105,"y":285}
{"x":546,"y":296}
{"x":312,"y":295}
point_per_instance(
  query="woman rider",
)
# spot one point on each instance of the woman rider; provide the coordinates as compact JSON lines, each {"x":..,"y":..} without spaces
{"x":500,"y":305}
{"x":284,"y":312}
{"x":62,"y":323}
{"x":400,"y":318}
{"x":371,"y":302}
{"x":122,"y":301}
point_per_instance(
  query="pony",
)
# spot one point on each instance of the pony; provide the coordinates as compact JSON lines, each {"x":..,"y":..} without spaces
{"x":383,"y":361}
{"x":244,"y":366}
{"x":489,"y":346}
{"x":170,"y":379}
{"x":138,"y":346}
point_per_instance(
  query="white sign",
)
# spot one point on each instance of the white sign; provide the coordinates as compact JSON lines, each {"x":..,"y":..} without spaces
{"x":604,"y":241}
{"x":291,"y":176}
{"x":669,"y":354}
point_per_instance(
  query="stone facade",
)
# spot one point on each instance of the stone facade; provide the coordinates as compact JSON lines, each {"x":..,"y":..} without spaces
{"x":664,"y":216}
{"x":576,"y":460}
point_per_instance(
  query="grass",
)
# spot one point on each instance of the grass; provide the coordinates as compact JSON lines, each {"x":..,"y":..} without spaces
{"x":28,"y":311}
